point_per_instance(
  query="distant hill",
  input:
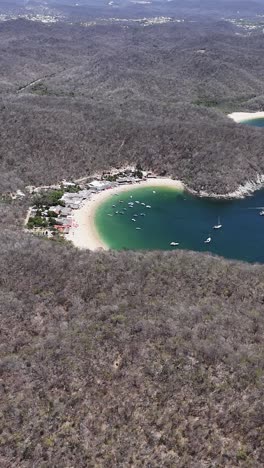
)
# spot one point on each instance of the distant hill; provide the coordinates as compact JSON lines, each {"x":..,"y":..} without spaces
{"x":84,"y":9}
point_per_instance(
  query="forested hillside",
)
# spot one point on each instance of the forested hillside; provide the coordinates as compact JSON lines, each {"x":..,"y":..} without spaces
{"x":128,"y":359}
{"x":160,"y":93}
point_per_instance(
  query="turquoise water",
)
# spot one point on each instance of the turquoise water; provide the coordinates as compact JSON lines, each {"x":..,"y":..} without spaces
{"x":179,"y":217}
{"x":255,"y":122}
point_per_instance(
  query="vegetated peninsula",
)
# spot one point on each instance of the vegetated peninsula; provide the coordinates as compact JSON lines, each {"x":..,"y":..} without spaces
{"x":128,"y":359}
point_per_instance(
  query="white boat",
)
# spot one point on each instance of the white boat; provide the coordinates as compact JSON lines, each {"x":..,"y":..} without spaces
{"x":143,"y":204}
{"x":148,"y":206}
{"x":138,"y":228}
{"x":133,"y":219}
{"x":108,"y":214}
{"x":208,"y":240}
{"x":137,"y":201}
{"x":261,"y":213}
{"x":174,"y":243}
{"x":153,"y":191}
{"x":218,"y":225}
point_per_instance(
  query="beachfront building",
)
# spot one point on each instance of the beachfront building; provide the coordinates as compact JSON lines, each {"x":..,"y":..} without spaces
{"x":55,"y":211}
{"x":65,"y":211}
{"x":100,"y":185}
{"x":125,"y":180}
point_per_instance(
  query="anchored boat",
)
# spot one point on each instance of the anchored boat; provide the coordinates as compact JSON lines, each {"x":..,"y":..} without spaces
{"x":218,"y":225}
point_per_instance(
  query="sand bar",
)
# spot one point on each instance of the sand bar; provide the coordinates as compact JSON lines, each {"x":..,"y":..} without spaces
{"x":83,"y":233}
{"x":244,"y":116}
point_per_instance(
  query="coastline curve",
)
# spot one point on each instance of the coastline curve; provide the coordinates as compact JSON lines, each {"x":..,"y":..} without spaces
{"x":83,"y":233}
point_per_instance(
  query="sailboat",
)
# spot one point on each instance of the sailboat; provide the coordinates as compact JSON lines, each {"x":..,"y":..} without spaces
{"x":218,"y":225}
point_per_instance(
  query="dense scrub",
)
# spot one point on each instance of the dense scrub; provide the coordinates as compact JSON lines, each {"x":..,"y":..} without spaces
{"x":128,"y":359}
{"x":106,"y":95}
{"x":125,"y":359}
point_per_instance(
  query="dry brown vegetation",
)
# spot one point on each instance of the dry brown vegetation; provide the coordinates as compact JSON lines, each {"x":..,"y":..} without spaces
{"x":125,"y":359}
{"x":108,"y":96}
{"x":129,"y":359}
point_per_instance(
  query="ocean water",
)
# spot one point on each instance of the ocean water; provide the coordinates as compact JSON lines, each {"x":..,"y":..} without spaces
{"x":255,"y":122}
{"x":176,"y":216}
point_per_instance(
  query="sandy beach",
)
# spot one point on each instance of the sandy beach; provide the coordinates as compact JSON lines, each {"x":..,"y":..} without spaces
{"x":243,"y":116}
{"x":83,"y":233}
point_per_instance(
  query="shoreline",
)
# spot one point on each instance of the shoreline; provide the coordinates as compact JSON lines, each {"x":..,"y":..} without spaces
{"x":242,"y":191}
{"x":83,"y":233}
{"x":240,"y":117}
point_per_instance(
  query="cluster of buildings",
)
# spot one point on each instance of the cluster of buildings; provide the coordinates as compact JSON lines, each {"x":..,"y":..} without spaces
{"x":55,"y":220}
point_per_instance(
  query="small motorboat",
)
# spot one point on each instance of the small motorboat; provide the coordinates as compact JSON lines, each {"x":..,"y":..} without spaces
{"x":133,"y":219}
{"x":153,"y":191}
{"x":138,"y":228}
{"x":261,"y":213}
{"x":174,"y":243}
{"x":218,"y":225}
{"x":208,"y":240}
{"x":148,"y":206}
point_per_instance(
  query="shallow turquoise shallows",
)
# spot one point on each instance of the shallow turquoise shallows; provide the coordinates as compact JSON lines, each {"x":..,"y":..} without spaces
{"x":178,"y":217}
{"x":254,"y":122}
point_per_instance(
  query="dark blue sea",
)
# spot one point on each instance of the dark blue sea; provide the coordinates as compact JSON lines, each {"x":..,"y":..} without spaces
{"x":176,"y":216}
